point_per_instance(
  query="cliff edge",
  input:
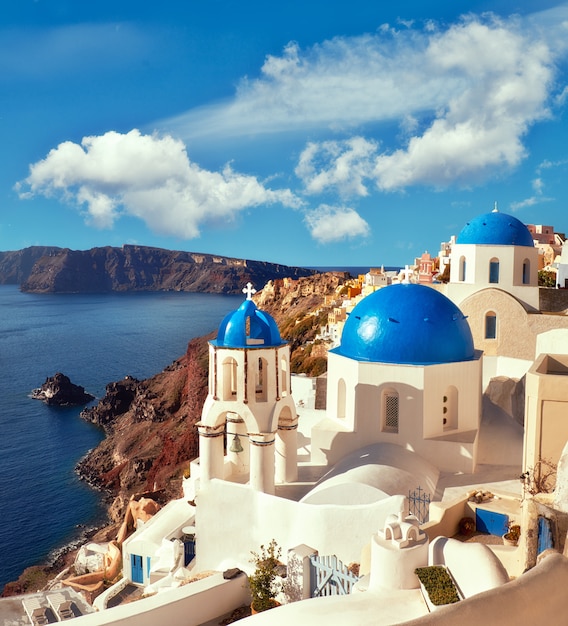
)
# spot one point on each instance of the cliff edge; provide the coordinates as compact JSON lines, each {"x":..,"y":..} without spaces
{"x":134,"y":268}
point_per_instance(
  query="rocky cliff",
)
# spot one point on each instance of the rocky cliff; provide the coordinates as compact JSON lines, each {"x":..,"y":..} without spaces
{"x":16,"y":266}
{"x":150,"y":430}
{"x":150,"y":424}
{"x":134,"y":268}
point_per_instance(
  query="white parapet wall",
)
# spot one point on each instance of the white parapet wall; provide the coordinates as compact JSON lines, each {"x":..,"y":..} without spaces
{"x":191,"y":605}
{"x":225,"y":538}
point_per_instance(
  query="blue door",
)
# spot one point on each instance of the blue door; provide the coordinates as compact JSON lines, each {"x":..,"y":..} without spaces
{"x":137,"y":568}
{"x":491,"y":522}
{"x":188,"y":551}
{"x":545,"y":539}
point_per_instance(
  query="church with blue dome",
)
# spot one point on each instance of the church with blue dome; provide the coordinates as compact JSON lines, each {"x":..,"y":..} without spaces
{"x":406,"y":373}
{"x":407,"y":324}
{"x":249,"y":412}
{"x":496,"y":229}
{"x":495,"y":251}
{"x":248,"y":326}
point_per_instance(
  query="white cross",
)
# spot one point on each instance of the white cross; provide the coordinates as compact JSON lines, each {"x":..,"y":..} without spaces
{"x":249,"y":290}
{"x":406,"y":274}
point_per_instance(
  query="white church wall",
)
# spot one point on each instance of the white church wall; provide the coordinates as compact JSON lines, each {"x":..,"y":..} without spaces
{"x":249,"y":518}
{"x":304,"y":391}
{"x":363,"y":424}
{"x":477,"y":260}
{"x":455,"y":387}
{"x":245,"y":391}
{"x":340,"y":397}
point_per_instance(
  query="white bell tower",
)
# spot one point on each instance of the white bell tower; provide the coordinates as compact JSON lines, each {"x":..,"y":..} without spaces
{"x":249,"y":423}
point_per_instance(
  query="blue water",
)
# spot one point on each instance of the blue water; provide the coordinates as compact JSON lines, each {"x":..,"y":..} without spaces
{"x":94,"y":339}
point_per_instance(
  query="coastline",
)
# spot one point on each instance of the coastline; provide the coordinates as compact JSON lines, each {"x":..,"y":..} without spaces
{"x":41,"y":576}
{"x":93,"y":339}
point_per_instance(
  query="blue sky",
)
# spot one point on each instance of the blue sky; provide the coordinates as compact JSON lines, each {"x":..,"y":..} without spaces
{"x":308,"y":132}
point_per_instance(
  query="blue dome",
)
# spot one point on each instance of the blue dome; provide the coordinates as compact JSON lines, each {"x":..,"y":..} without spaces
{"x":263,"y":330}
{"x":407,"y":324}
{"x":497,"y":229}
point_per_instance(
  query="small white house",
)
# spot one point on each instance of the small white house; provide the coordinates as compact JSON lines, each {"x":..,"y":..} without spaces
{"x":143,"y":550}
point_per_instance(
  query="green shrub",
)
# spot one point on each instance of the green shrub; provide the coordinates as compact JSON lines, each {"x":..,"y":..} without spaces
{"x":438,"y":584}
{"x":262,"y":582}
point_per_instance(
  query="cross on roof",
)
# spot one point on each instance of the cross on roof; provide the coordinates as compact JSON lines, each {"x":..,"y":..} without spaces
{"x":249,"y":290}
{"x":406,"y":274}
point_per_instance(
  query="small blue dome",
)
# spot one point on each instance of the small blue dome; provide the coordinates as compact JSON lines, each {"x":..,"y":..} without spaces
{"x":263,"y":330}
{"x":497,"y":229}
{"x":407,"y":324}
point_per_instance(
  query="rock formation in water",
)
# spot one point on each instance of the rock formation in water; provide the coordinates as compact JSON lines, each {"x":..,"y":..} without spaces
{"x":134,"y":268}
{"x":58,"y":390}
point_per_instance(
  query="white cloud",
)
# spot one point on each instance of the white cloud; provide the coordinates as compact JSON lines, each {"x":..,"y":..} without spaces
{"x":528,"y":202}
{"x":342,"y":165}
{"x":464,"y":98}
{"x":148,"y":177}
{"x":328,"y":224}
{"x":506,"y":82}
{"x":538,"y":185}
{"x":341,"y":82}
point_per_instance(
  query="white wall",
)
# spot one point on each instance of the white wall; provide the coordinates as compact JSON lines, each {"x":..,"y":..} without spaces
{"x":304,"y":391}
{"x":190,"y":605}
{"x":227,"y":533}
{"x":503,"y":366}
{"x":511,"y":260}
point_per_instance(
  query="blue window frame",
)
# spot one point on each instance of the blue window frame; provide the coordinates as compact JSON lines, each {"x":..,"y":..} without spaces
{"x":494,"y":271}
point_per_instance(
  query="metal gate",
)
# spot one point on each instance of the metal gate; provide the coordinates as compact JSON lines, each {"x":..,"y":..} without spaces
{"x":419,"y":504}
{"x":545,"y":538}
{"x":330,"y":577}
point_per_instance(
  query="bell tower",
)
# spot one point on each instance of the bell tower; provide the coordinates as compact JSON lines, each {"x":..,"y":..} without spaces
{"x":249,"y":423}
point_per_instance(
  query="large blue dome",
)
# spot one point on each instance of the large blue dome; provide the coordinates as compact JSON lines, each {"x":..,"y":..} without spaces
{"x":247,"y":327}
{"x":497,"y":229}
{"x":407,"y":324}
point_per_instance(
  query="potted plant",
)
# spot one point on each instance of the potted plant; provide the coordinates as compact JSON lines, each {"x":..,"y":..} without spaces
{"x":511,"y":537}
{"x":466,"y":526}
{"x":262,"y":582}
{"x":438,"y":587}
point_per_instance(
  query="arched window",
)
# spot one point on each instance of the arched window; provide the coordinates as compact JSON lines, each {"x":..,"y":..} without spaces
{"x":526,"y":272}
{"x":341,"y":398}
{"x":494,"y":271}
{"x":462,"y":269}
{"x":229,"y":379}
{"x":284,"y":377}
{"x":390,"y":411}
{"x":261,"y":380}
{"x":490,"y":325}
{"x":450,"y":409}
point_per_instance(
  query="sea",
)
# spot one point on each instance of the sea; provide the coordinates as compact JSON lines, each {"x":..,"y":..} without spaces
{"x":94,"y":339}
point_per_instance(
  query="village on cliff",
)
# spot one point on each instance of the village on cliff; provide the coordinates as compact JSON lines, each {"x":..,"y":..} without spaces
{"x":434,"y":446}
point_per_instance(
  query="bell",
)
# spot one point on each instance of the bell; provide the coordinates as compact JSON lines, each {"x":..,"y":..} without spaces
{"x":236,"y":445}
